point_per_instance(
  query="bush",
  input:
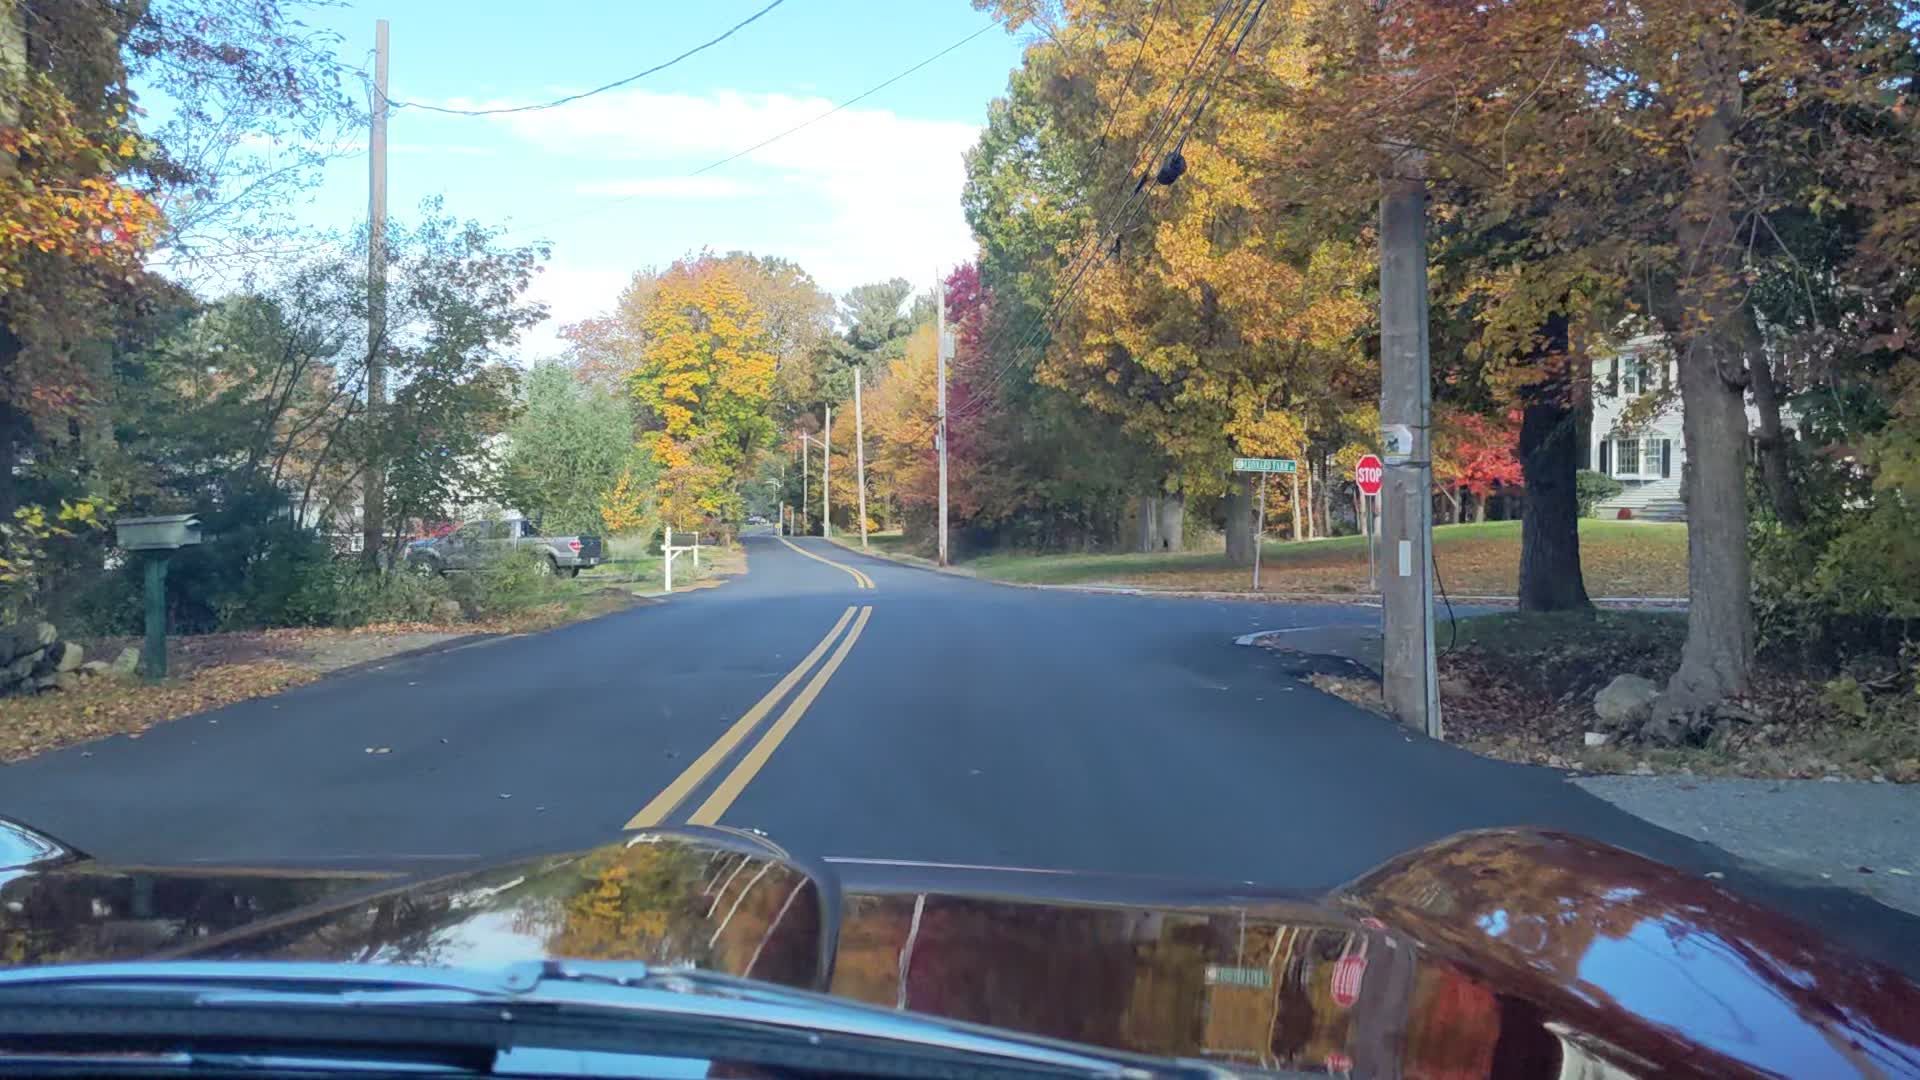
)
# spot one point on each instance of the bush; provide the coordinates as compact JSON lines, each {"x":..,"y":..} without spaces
{"x":514,"y":581}
{"x":355,"y":596}
{"x":1591,"y":489}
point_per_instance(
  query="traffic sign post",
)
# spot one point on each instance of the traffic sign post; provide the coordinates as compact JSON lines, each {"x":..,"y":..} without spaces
{"x":1368,"y":474}
{"x":1265,"y":467}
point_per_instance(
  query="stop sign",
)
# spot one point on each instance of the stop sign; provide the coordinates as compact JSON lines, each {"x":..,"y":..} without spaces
{"x":1368,"y":473}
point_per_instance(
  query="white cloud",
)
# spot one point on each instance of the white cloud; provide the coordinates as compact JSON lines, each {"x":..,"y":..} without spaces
{"x":863,"y":195}
{"x":571,"y":295}
{"x":882,"y":191}
{"x":671,"y":187}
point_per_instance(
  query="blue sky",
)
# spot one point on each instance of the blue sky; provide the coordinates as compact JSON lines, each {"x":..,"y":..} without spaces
{"x":872,"y":192}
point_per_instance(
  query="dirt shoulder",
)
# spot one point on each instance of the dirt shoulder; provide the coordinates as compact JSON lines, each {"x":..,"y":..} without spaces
{"x":208,"y":671}
{"x":1521,"y":687}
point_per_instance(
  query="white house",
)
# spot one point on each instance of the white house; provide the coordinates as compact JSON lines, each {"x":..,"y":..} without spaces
{"x":1649,"y":455}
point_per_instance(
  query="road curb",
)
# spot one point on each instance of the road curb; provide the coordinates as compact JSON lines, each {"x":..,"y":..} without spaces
{"x":452,"y":643}
{"x":1356,"y":599}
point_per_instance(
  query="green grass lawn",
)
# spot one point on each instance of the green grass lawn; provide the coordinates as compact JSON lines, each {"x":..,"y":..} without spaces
{"x":1617,"y":559}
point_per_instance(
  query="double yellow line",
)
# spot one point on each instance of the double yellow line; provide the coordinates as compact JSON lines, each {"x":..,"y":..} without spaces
{"x":749,"y":766}
{"x":860,"y":580}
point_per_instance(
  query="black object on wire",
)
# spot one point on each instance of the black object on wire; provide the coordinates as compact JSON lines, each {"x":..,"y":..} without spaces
{"x":1170,"y":170}
{"x":615,"y":85}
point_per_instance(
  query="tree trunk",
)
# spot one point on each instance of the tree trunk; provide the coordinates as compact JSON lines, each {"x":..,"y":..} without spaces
{"x":1456,"y":498}
{"x":1326,"y":499}
{"x":1772,"y":441}
{"x":1306,"y":494}
{"x":1147,"y":524}
{"x":1480,"y":507}
{"x":1240,"y":520}
{"x":1550,"y":578}
{"x":1717,"y":659}
{"x":1173,"y":521}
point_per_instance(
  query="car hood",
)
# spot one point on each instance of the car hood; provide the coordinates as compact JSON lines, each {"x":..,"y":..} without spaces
{"x":1508,"y":952}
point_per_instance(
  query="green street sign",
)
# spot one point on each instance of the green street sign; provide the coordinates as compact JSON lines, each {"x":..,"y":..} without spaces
{"x":1265,"y":464}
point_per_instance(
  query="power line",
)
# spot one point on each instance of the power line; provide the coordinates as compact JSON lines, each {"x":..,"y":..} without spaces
{"x":976,"y":398}
{"x":861,"y":96}
{"x":1119,"y":222}
{"x":850,"y":101}
{"x":615,"y":85}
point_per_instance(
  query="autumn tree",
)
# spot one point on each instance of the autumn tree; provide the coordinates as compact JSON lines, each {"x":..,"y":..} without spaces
{"x":705,"y":375}
{"x":1473,"y":455}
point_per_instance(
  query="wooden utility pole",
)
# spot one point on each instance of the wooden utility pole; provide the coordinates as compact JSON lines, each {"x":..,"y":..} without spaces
{"x":860,"y":456}
{"x":373,"y":486}
{"x":1409,"y":684}
{"x":826,"y":471}
{"x":940,"y":349}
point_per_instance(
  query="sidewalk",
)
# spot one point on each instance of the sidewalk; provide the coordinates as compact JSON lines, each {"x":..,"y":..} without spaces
{"x":1856,"y":835}
{"x":1852,"y":834}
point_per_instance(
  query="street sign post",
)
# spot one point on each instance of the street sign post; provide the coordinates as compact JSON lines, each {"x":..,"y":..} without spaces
{"x":1265,"y":466}
{"x":1368,"y":475}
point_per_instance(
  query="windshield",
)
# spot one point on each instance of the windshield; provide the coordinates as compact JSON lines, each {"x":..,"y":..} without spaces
{"x":984,"y":444}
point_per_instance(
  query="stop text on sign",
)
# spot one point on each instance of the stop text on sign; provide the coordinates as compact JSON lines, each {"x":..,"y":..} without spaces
{"x":1368,"y":473}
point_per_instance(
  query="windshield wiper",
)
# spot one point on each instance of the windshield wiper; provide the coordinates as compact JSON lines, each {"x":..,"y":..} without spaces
{"x":547,"y":1018}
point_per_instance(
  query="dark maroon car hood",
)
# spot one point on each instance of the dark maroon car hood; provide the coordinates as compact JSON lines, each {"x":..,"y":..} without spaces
{"x":1506,"y":953}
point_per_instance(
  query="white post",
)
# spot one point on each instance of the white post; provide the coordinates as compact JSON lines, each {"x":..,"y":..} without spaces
{"x":1294,"y":501}
{"x":826,"y":473}
{"x":696,"y":553}
{"x":860,"y":457}
{"x":666,"y":550}
{"x":1259,"y":531}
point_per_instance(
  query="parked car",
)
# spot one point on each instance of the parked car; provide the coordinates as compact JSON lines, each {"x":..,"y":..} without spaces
{"x":476,"y":541}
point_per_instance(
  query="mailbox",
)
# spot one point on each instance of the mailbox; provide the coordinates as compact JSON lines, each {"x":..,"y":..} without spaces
{"x":164,"y":532}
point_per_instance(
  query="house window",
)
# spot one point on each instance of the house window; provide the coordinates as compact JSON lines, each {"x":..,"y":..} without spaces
{"x":1626,"y":457}
{"x":1641,"y":459}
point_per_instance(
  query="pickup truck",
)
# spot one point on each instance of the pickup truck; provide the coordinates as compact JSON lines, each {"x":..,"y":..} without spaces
{"x":476,"y":541}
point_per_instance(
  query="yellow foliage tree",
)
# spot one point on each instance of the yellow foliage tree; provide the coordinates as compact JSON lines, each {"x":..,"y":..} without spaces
{"x":706,"y":374}
{"x":623,"y":506}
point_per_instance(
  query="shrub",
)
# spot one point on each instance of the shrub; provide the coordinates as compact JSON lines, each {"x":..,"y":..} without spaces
{"x":514,"y":581}
{"x":1591,"y":489}
{"x":355,"y":596}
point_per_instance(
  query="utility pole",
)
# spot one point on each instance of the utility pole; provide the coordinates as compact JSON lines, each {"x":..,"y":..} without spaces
{"x":826,"y":477}
{"x":941,"y":349}
{"x":1409,"y":683}
{"x":800,"y":512}
{"x":860,"y":457}
{"x":373,"y":487}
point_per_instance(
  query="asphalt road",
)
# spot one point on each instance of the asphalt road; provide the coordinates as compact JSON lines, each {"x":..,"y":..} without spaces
{"x":927,"y":717}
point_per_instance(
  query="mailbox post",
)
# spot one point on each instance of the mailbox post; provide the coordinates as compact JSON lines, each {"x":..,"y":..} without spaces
{"x":157,"y":538}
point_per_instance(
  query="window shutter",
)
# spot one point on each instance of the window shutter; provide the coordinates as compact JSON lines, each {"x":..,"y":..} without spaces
{"x":1666,"y":459}
{"x":1613,"y":377}
{"x":1606,"y":456}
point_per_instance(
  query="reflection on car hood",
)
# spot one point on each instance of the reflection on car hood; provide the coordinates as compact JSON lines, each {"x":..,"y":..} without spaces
{"x":1498,"y":953}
